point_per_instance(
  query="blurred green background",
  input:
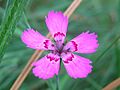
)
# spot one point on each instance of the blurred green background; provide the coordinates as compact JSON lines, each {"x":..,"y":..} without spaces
{"x":100,"y":16}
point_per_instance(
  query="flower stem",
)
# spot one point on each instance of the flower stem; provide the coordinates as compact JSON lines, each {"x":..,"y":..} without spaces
{"x":26,"y":20}
{"x":57,"y":82}
{"x":57,"y":77}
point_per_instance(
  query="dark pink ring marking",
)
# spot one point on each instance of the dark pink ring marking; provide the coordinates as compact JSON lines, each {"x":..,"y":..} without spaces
{"x":75,"y":45}
{"x":52,"y":58}
{"x":58,"y":33}
{"x":46,"y":43}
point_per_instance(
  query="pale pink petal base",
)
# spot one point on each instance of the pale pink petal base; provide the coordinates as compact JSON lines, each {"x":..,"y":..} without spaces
{"x":84,"y":43}
{"x":76,"y":66}
{"x":47,"y":67}
{"x":35,"y":40}
{"x":57,"y":24}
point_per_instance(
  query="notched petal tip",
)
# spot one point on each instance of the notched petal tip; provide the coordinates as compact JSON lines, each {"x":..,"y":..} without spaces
{"x":33,"y":39}
{"x":86,"y":42}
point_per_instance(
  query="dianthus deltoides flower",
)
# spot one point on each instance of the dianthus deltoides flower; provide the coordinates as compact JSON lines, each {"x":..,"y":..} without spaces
{"x":49,"y":65}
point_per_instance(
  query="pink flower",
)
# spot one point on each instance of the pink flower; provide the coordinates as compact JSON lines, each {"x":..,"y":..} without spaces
{"x":49,"y":65}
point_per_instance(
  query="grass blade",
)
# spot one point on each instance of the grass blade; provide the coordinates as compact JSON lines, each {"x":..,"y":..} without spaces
{"x":10,"y":19}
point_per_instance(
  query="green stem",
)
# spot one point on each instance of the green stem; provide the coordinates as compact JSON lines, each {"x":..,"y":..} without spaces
{"x":57,"y":77}
{"x":117,"y":51}
{"x":57,"y":82}
{"x":26,"y":20}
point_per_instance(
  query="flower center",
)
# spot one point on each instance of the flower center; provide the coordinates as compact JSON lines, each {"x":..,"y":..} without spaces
{"x":59,"y":48}
{"x":59,"y":44}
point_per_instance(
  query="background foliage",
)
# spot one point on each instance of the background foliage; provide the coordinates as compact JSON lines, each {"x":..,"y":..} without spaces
{"x":100,"y":16}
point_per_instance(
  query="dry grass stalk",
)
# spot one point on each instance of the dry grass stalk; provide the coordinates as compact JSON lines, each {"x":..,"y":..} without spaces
{"x":112,"y":85}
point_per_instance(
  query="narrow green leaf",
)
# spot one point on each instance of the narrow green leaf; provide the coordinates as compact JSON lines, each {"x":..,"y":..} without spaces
{"x":10,"y":19}
{"x":117,"y":53}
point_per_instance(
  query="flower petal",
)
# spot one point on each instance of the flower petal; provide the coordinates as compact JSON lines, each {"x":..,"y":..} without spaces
{"x":57,"y":24}
{"x":47,"y":67}
{"x":76,"y":66}
{"x":35,"y":40}
{"x":84,"y":43}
